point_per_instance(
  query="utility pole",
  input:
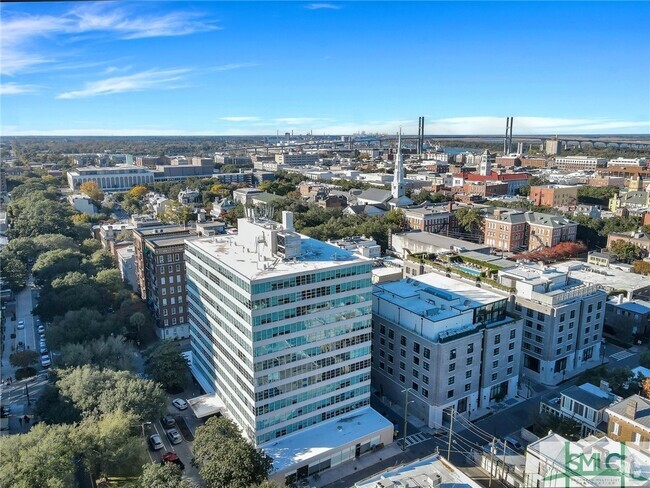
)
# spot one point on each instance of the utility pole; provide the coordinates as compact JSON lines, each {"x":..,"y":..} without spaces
{"x":503,"y":470}
{"x":451,"y":431}
{"x":491,"y":461}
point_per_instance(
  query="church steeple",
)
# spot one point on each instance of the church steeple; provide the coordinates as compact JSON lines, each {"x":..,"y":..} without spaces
{"x":397,"y":188}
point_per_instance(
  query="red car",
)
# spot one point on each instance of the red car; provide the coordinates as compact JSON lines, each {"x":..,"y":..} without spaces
{"x":172,"y":457}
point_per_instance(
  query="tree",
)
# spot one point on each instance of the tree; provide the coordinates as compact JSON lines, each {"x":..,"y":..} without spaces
{"x":89,"y":246}
{"x":641,"y":267}
{"x":52,"y":408}
{"x":469,"y":219}
{"x":625,"y":251}
{"x":166,"y":365}
{"x":645,"y":387}
{"x":110,"y":280}
{"x":566,"y":427}
{"x":644,"y":359}
{"x":34,"y":215}
{"x":48,"y":242}
{"x":102,"y":259}
{"x":225,"y":458}
{"x":97,"y":392}
{"x":23,"y":359}
{"x":54,"y":263}
{"x":138,"y":192}
{"x":82,"y":325}
{"x":178,"y":213}
{"x":165,"y":475}
{"x":43,"y":457}
{"x":14,"y":273}
{"x":106,"y":353}
{"x":92,"y":190}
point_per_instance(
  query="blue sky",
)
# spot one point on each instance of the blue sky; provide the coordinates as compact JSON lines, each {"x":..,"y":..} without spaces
{"x":126,"y":68}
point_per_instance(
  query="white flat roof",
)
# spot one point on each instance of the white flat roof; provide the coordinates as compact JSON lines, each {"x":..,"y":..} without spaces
{"x":316,"y":255}
{"x":419,"y":473}
{"x":205,"y":405}
{"x":307,"y":444}
{"x":609,"y":278}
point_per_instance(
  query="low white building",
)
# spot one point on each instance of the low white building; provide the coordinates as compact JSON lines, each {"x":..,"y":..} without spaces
{"x":641,"y":162}
{"x":111,"y":178}
{"x":83,"y":204}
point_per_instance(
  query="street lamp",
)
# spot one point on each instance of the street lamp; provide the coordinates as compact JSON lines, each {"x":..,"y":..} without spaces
{"x":406,"y":409}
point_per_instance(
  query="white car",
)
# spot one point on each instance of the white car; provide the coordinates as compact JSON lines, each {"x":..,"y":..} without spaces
{"x":21,"y":324}
{"x":41,"y":329}
{"x":45,"y":360}
{"x":179,"y":403}
{"x":174,"y":437}
{"x":43,"y":349}
{"x":155,"y":442}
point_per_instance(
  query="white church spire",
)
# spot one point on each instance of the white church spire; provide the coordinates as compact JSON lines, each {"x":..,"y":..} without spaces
{"x":397,"y":188}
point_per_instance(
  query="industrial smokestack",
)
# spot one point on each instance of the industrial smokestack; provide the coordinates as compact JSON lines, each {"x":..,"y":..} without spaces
{"x":512,"y":119}
{"x":505,"y":139}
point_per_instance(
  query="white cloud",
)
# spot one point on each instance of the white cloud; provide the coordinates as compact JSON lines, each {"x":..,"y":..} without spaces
{"x":145,"y":80}
{"x":323,"y":6}
{"x":19,"y":34}
{"x":299,"y":120}
{"x":15,"y":89}
{"x":232,"y":66}
{"x":240,"y":119}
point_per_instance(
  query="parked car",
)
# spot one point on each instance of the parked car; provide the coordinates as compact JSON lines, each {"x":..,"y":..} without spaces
{"x":172,"y":457}
{"x":41,"y":329}
{"x":45,"y":360}
{"x":21,"y":324}
{"x":43,"y":350}
{"x":20,"y":347}
{"x":179,"y":403}
{"x":174,"y":436}
{"x":156,"y":442}
{"x":167,"y":421}
{"x":513,"y":443}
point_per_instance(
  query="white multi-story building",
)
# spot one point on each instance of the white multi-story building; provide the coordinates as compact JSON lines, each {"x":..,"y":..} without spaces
{"x":563,"y":321}
{"x":580,"y":163}
{"x":110,"y":178}
{"x":296,"y":159}
{"x":641,"y":162}
{"x":280,"y":328}
{"x":453,"y":345}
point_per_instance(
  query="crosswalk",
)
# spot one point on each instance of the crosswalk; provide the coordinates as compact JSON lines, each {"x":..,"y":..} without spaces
{"x":621,"y":355}
{"x":415,"y":439}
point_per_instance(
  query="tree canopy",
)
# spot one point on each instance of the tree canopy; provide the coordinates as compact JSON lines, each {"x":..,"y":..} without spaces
{"x":625,"y":251}
{"x":106,"y":352}
{"x":166,"y":365}
{"x":225,"y":458}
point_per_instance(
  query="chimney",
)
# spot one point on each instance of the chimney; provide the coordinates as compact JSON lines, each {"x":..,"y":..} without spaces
{"x":630,"y":409}
{"x":287,"y":220}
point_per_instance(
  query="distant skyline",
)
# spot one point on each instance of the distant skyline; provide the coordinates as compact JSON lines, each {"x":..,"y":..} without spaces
{"x":245,"y":68}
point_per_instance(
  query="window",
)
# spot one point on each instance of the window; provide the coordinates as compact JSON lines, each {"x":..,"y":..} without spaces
{"x":509,"y":371}
{"x":494,"y":376}
{"x":450,"y":393}
{"x":391,"y":333}
{"x":416,"y":348}
{"x":169,"y":258}
{"x":401,"y":378}
{"x":468,"y":386}
{"x":170,"y":269}
{"x":496,"y":351}
{"x":600,"y":305}
{"x":590,"y":308}
{"x":166,"y":322}
{"x":452,"y":354}
{"x":171,"y":280}
{"x":427,"y":353}
{"x":161,"y":259}
{"x":415,"y":386}
{"x":402,"y":353}
{"x":425,"y":393}
{"x":416,"y":360}
{"x":617,"y":428}
{"x":402,"y":365}
{"x":416,"y":373}
{"x":163,"y":281}
{"x":179,"y":289}
{"x":513,"y":334}
{"x":452,"y":367}
{"x":451,"y":380}
{"x":511,"y":346}
{"x":470,"y":348}
{"x":390,"y":358}
{"x":382,"y":341}
{"x":382,"y":329}
{"x":559,"y":340}
{"x":495,"y":364}
{"x":178,"y":267}
{"x":381,"y":365}
{"x":425,"y":379}
{"x":573,"y":314}
{"x":402,"y":340}
{"x":425,"y":365}
{"x":390,"y":370}
{"x":177,"y":257}
{"x":163,"y":291}
{"x":563,"y":317}
{"x":637,"y":438}
{"x":468,"y":373}
{"x":164,"y":302}
{"x":541,"y":316}
{"x":497,"y":339}
{"x":511,"y":358}
{"x":390,"y":346}
{"x":469,"y":361}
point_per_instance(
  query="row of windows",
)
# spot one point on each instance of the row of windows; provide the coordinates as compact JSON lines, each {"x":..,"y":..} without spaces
{"x":217,"y":286}
{"x":311,"y":293}
{"x":295,"y":327}
{"x":311,"y":352}
{"x":312,"y":420}
{"x":311,"y":278}
{"x":302,"y":340}
{"x":311,"y":380}
{"x":176,"y":257}
{"x":312,"y":407}
{"x":308,"y":309}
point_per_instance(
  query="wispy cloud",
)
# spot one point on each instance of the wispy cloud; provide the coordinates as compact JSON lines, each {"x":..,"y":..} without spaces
{"x":299,"y":120}
{"x":323,"y":6}
{"x":15,"y":89}
{"x":145,"y":80}
{"x":20,"y":34}
{"x":240,"y":119}
{"x":232,"y":66}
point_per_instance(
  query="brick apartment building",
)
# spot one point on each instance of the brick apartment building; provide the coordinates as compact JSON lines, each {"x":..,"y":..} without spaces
{"x":554,"y":195}
{"x":160,"y":272}
{"x":515,"y":231}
